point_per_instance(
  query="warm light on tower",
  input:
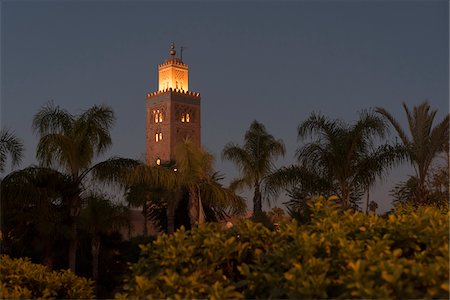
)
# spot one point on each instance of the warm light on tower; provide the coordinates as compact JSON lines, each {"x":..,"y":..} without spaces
{"x":173,"y":112}
{"x":173,"y":74}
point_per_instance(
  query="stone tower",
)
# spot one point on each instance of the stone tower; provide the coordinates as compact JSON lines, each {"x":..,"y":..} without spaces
{"x":173,"y":112}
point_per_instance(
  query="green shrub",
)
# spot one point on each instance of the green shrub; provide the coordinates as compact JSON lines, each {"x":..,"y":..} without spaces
{"x":339,"y":254}
{"x":22,"y":279}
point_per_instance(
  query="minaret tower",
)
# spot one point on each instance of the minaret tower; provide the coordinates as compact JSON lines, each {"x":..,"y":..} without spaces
{"x":173,"y":112}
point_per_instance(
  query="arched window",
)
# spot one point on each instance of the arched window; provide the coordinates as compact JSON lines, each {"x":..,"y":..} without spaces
{"x":156,"y":137}
{"x":188,"y":118}
{"x":160,"y":136}
{"x":160,"y":117}
{"x":182,"y":118}
{"x":158,"y":161}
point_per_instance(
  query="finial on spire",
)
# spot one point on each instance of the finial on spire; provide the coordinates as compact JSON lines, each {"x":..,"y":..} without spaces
{"x":172,"y":50}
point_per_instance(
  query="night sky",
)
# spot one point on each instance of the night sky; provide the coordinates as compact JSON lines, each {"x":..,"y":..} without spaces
{"x":275,"y":62}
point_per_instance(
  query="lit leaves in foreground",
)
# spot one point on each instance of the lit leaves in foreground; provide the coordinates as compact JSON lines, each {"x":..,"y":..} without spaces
{"x":339,"y":254}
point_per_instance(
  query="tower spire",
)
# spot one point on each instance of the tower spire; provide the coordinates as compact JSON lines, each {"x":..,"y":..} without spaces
{"x":172,"y":50}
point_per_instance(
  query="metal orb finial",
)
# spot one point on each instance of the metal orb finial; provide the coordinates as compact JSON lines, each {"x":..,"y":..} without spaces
{"x":172,"y":49}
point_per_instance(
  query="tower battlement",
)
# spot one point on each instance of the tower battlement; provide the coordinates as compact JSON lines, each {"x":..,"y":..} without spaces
{"x":183,"y":92}
{"x":173,"y":61}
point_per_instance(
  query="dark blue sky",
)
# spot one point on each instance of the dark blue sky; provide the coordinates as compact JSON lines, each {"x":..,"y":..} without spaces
{"x":271,"y":61}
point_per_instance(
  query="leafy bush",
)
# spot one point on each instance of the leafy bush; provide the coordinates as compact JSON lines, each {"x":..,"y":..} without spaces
{"x":22,"y":279}
{"x":339,"y":254}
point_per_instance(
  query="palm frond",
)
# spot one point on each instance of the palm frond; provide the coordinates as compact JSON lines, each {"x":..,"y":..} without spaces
{"x":240,"y":183}
{"x":113,"y":170}
{"x":95,"y":124}
{"x":401,"y":133}
{"x":99,"y":215}
{"x":57,"y":149}
{"x":154,"y":177}
{"x":52,"y":119}
{"x":12,"y":146}
{"x":220,"y":200}
{"x":239,"y":156}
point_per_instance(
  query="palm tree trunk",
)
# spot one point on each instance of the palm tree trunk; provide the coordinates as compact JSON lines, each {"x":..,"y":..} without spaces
{"x":367,"y":202}
{"x":345,"y":196}
{"x":170,"y":217}
{"x":144,"y":213}
{"x":201,"y":212}
{"x":129,"y":223}
{"x":6,"y":244}
{"x":48,"y":255}
{"x":193,"y":207}
{"x":95,"y":250}
{"x":75,"y":208}
{"x":73,"y":247}
{"x":257,"y":201}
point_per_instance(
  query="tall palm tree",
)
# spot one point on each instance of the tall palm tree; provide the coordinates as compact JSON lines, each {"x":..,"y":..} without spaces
{"x":346,"y":155}
{"x":70,"y":143}
{"x":255,"y":160}
{"x":425,"y":141}
{"x":100,"y":216}
{"x":12,"y":146}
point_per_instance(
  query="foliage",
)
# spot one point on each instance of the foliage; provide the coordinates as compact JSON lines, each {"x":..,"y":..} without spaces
{"x":191,"y":177}
{"x":436,"y":191}
{"x":33,"y":217}
{"x":339,"y":254}
{"x":97,"y":217}
{"x":12,"y":146}
{"x":347,"y":154}
{"x":255,"y":160}
{"x":70,"y":144}
{"x":22,"y":279}
{"x":424,"y":143}
{"x":299,"y":183}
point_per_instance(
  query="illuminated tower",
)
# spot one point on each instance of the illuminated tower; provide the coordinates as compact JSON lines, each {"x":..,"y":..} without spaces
{"x":173,"y":112}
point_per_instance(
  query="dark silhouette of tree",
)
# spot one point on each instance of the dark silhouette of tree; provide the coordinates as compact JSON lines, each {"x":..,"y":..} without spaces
{"x":347,"y":155}
{"x":12,"y":146}
{"x":423,"y":143}
{"x":255,"y":160}
{"x":70,"y":143}
{"x":100,"y":216}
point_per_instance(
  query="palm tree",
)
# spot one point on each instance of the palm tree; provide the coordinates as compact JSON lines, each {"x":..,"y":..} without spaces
{"x":12,"y":146}
{"x":193,"y":174}
{"x":150,"y":187}
{"x":219,"y":202}
{"x":31,"y":206}
{"x":300,"y":184}
{"x":70,"y":144}
{"x":194,"y":167}
{"x":425,"y":141}
{"x":346,"y":155}
{"x":255,"y":160}
{"x":100,"y":216}
{"x":154,"y":202}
